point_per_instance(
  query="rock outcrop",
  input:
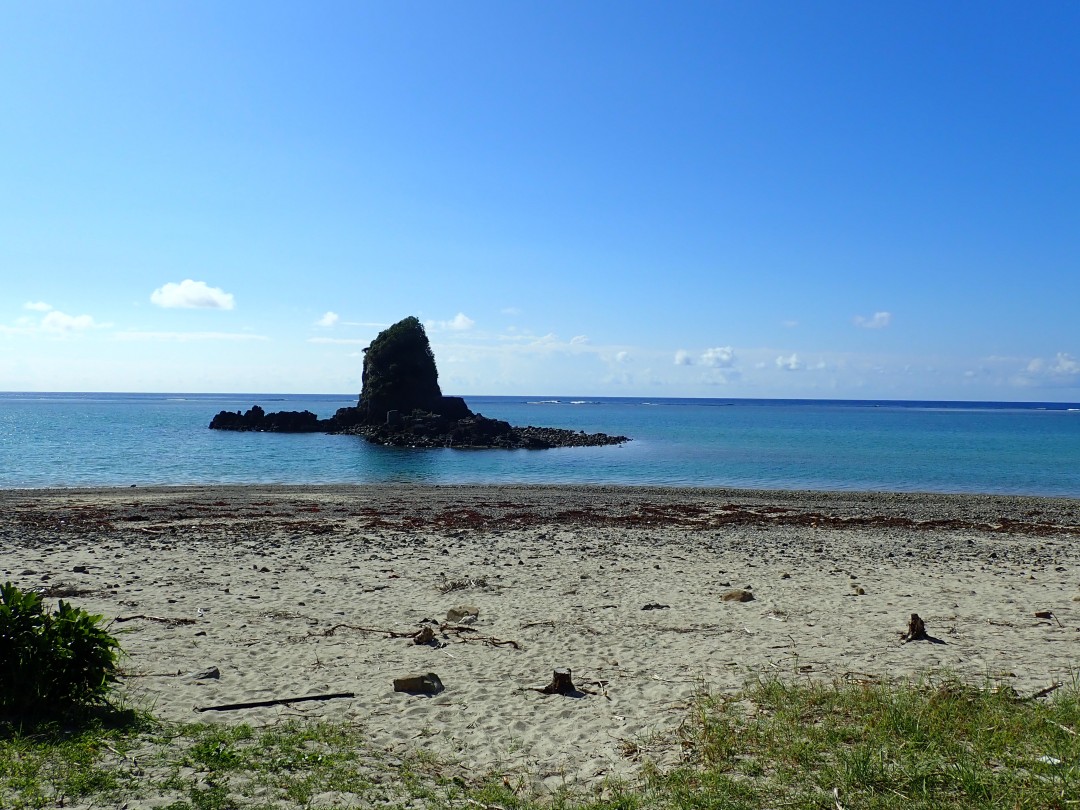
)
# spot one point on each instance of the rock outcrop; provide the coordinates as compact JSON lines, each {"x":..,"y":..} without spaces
{"x":401,"y":405}
{"x":255,"y":418}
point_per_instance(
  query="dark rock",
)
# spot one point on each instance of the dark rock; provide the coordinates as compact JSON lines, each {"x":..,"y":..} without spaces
{"x":428,"y":684}
{"x":399,"y":373}
{"x":401,"y":405}
{"x":256,"y":419}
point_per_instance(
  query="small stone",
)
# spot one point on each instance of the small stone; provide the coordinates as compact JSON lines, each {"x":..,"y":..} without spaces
{"x":81,"y":569}
{"x":462,"y":613}
{"x":210,"y":673}
{"x":737,"y":595}
{"x":428,"y":684}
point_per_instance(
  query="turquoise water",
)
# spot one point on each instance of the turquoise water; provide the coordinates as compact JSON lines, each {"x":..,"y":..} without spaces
{"x":49,"y":440}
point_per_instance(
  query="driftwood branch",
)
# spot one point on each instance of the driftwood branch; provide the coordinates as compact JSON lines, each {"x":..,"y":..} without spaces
{"x":255,"y":704}
{"x":1044,"y":692}
{"x":163,"y":620}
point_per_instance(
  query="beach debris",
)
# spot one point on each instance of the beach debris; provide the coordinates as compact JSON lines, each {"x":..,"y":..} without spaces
{"x":420,"y":636}
{"x":427,"y":684}
{"x":1046,"y":691}
{"x":916,"y":631}
{"x":737,"y":595}
{"x":450,"y":585}
{"x":1048,"y":614}
{"x":166,"y":620}
{"x":457,"y":630}
{"x":425,"y":636}
{"x":256,"y":704}
{"x":463,"y":613}
{"x":208,"y":674}
{"x":655,"y":606}
{"x":561,"y":684}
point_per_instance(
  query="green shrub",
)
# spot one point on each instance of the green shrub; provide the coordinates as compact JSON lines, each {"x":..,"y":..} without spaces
{"x":51,"y":662}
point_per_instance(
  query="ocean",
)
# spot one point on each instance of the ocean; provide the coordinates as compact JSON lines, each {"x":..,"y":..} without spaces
{"x":83,"y":440}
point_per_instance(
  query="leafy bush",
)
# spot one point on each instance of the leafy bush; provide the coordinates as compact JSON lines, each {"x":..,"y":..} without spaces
{"x":51,"y":662}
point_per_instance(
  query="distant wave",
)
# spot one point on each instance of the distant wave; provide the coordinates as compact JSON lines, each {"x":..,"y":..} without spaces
{"x":545,"y":402}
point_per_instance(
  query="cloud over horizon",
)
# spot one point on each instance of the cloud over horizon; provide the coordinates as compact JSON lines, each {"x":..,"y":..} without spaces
{"x":189,"y":294}
{"x":790,"y":363}
{"x":459,"y":323}
{"x":720,"y":357}
{"x":879,"y":320}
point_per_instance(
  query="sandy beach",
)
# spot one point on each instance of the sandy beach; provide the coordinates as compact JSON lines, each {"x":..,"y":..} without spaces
{"x":300,"y":591}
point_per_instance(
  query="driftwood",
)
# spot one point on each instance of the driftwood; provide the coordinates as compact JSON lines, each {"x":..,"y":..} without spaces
{"x":255,"y":704}
{"x":425,"y":635}
{"x":916,"y":630}
{"x":1044,"y":692}
{"x":563,"y":684}
{"x":163,"y":620}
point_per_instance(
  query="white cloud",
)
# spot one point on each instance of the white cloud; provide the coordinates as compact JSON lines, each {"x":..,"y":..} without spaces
{"x":190,"y":294}
{"x":579,"y":340}
{"x":37,"y":306}
{"x":343,"y":341}
{"x":683,"y":358}
{"x":329,"y":319}
{"x":790,"y":363}
{"x":623,"y":357}
{"x":879,"y":320}
{"x":185,"y":337}
{"x":1063,"y":365}
{"x":57,"y":322}
{"x":511,"y":311}
{"x":789,"y":324}
{"x":720,"y":357}
{"x":460,"y":323}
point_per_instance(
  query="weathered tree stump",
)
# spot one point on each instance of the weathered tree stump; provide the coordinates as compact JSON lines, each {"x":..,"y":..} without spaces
{"x":561,"y":684}
{"x":916,"y":630}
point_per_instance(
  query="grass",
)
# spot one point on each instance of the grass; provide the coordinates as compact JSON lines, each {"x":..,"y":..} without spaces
{"x":776,"y":743}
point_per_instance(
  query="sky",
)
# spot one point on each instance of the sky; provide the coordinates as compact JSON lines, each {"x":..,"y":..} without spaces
{"x":692,"y":199}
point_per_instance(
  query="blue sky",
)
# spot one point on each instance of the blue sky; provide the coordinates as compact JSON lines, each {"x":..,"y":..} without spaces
{"x":753,"y":199}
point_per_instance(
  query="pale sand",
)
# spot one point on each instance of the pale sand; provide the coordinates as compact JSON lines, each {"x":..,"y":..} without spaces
{"x":266,"y":572}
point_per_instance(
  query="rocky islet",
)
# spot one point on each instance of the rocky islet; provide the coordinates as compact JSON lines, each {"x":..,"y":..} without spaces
{"x":402,"y":405}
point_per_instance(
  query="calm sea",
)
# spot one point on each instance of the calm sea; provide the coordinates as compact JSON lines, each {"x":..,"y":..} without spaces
{"x":77,"y":440}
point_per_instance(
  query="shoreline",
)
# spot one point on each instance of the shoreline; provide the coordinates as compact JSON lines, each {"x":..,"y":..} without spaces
{"x":301,"y":590}
{"x":846,"y":503}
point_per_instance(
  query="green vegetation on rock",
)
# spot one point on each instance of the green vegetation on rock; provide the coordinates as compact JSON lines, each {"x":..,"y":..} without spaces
{"x":399,"y":372}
